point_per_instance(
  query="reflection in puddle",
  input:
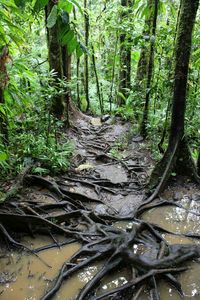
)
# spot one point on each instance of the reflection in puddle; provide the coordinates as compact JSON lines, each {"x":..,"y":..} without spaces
{"x":31,"y":275}
{"x":173,"y":219}
{"x":27,"y":277}
{"x":190,"y":281}
{"x":179,"y":220}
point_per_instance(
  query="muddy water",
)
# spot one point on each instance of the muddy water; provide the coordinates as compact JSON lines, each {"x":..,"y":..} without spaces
{"x":27,"y":277}
{"x":180,"y":221}
{"x":190,"y":281}
{"x":174,"y":219}
{"x":30,"y":276}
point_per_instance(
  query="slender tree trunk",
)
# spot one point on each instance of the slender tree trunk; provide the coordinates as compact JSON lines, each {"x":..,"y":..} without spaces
{"x":87,"y":27}
{"x":4,"y":78}
{"x":142,"y":66}
{"x":78,"y":82}
{"x":55,"y":61}
{"x":198,"y":164}
{"x":97,"y":81}
{"x":177,"y":156}
{"x":113,"y":73}
{"x":77,"y":72}
{"x":143,"y":129}
{"x":169,"y":63}
{"x":125,"y":58}
{"x":66,"y":63}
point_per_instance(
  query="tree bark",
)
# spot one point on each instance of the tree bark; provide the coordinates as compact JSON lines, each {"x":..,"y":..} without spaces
{"x":97,"y":81}
{"x":113,"y":73}
{"x":78,"y":82}
{"x":55,"y":61}
{"x":177,"y":156}
{"x":142,"y":66}
{"x":87,"y":26}
{"x":4,"y":78}
{"x":198,"y":164}
{"x":125,"y":58}
{"x":66,"y":64}
{"x":143,"y":129}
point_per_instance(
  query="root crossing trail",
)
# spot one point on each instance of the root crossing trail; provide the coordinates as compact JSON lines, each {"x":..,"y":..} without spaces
{"x":92,"y":204}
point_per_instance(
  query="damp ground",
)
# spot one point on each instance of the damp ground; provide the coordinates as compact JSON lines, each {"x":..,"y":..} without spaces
{"x":108,"y":175}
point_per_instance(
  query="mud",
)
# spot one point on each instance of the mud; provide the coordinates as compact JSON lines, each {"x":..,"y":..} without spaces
{"x":119,"y":186}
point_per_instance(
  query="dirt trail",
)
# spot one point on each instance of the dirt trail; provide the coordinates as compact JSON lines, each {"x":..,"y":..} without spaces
{"x":118,"y":181}
{"x":106,"y":185}
{"x":108,"y":172}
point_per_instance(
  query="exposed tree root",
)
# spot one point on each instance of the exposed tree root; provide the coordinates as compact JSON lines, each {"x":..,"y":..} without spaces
{"x":162,"y":202}
{"x":100,"y":241}
{"x":177,"y":158}
{"x":70,"y":214}
{"x":137,"y":281}
{"x":117,"y":249}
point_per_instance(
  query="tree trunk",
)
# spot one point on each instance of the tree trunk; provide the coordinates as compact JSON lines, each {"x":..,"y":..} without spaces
{"x":142,"y":66}
{"x":169,"y":63}
{"x":177,"y":156}
{"x":66,"y":64}
{"x":77,"y":72}
{"x":97,"y":81}
{"x":4,"y":78}
{"x":55,"y":61}
{"x":78,"y":83}
{"x":143,"y":129}
{"x":87,"y":26}
{"x":198,"y":164}
{"x":125,"y":58}
{"x":113,"y":73}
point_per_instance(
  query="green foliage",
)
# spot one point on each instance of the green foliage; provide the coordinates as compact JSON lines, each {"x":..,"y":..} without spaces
{"x":66,"y":6}
{"x":39,"y":5}
{"x":68,"y":35}
{"x":50,"y":157}
{"x":52,"y":18}
{"x":34,"y":134}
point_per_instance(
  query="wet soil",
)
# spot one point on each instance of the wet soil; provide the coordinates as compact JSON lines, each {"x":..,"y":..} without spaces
{"x":108,"y":175}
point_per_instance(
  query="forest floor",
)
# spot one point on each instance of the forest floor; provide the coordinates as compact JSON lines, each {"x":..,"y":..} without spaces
{"x":104,"y":185}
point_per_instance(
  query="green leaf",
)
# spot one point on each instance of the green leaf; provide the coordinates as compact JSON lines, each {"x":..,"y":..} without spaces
{"x":71,"y":46}
{"x":3,"y":156}
{"x":52,"y":18}
{"x":79,"y":50}
{"x":76,"y":4}
{"x":41,"y":171}
{"x":2,"y":111}
{"x":20,"y":3}
{"x":67,"y":37}
{"x":196,"y":52}
{"x":63,"y":31}
{"x":66,"y":6}
{"x":40,"y":4}
{"x":64,"y":17}
{"x":121,"y":95}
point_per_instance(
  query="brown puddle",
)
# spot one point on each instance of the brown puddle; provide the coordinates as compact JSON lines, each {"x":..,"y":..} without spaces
{"x":25,"y":277}
{"x":31,"y":275}
{"x":174,"y":219}
{"x":178,"y":220}
{"x":190,"y":281}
